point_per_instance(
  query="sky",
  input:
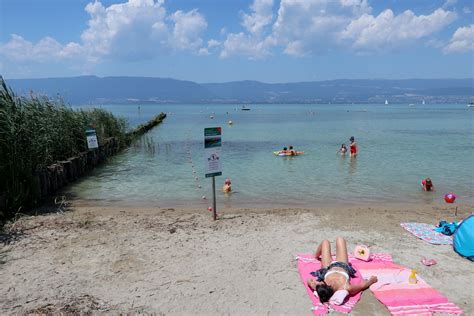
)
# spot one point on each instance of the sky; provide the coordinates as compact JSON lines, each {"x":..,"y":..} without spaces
{"x":230,"y":40}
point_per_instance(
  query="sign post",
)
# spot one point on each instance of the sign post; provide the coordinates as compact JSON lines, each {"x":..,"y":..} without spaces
{"x":212,"y":154}
{"x":91,"y":139}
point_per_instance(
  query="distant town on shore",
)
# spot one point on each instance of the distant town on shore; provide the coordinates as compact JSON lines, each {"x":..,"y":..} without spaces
{"x":131,"y":90}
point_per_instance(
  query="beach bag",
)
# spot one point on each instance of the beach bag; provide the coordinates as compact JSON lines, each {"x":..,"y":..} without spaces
{"x":362,"y":252}
{"x":446,"y":228}
{"x":463,"y":242}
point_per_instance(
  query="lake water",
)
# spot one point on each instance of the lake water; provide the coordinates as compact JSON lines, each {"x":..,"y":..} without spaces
{"x":399,"y":145}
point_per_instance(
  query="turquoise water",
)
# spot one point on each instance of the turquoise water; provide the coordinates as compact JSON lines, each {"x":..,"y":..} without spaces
{"x":399,"y":145}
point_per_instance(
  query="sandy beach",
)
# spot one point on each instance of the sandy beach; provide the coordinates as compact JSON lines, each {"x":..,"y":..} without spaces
{"x":179,"y":261}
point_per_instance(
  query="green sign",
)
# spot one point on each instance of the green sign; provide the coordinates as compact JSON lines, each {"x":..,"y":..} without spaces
{"x":212,"y":131}
{"x":215,"y":174}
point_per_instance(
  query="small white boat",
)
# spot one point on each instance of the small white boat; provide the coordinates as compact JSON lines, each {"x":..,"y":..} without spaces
{"x":386,"y":101}
{"x":423,"y":102}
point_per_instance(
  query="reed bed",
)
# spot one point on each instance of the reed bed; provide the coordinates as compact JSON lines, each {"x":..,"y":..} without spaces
{"x":36,"y":132}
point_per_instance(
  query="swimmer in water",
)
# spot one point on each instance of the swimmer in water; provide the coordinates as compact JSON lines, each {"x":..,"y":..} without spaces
{"x":343,"y":150}
{"x":292,"y":151}
{"x":353,"y":147}
{"x":427,"y":185}
{"x":227,"y":186}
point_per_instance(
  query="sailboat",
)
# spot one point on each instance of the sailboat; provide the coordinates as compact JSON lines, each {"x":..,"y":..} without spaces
{"x":423,"y":102}
{"x":386,"y":102}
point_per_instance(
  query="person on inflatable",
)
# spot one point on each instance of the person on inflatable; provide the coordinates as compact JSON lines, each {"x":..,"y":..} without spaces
{"x":227,"y":186}
{"x":343,"y":150}
{"x":291,"y":151}
{"x":353,"y":147}
{"x":333,"y":280}
{"x":284,"y":151}
{"x":427,"y":185}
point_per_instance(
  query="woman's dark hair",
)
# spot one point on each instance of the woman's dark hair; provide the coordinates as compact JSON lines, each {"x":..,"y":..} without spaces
{"x":284,"y":148}
{"x":351,"y":139}
{"x":324,"y":292}
{"x":291,"y":147}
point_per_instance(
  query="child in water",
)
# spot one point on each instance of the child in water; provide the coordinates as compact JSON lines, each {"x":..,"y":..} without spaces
{"x":427,"y":185}
{"x":343,"y":149}
{"x":227,"y":186}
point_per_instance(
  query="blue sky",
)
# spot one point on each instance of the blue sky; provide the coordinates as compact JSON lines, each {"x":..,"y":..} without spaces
{"x":230,"y":40}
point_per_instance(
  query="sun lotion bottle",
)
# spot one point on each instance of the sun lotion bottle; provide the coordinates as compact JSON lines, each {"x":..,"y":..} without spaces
{"x":412,"y":278}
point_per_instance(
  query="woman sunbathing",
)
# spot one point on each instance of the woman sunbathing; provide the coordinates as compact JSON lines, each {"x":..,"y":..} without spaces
{"x":333,"y":279}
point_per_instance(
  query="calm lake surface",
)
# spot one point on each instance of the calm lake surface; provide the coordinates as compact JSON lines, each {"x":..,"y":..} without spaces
{"x":399,"y":145}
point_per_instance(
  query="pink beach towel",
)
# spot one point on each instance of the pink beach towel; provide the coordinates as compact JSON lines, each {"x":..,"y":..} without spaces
{"x":401,"y":297}
{"x":307,"y":264}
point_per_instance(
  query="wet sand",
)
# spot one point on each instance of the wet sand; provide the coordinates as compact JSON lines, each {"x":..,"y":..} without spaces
{"x":179,"y":261}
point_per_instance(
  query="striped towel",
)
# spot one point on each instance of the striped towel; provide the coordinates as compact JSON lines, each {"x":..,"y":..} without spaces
{"x":427,"y":233}
{"x":401,"y":297}
{"x":307,"y":264}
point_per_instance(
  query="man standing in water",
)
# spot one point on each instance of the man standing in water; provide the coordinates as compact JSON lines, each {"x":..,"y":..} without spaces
{"x":353,"y":147}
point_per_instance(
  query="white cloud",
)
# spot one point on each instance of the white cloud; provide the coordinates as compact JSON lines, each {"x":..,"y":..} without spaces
{"x":466,"y":10}
{"x":140,"y":29}
{"x":309,"y":27}
{"x":253,"y":43}
{"x":187,"y":29}
{"x":301,"y":27}
{"x":245,"y":45}
{"x":260,"y":17}
{"x":213,"y":43}
{"x":387,"y":30}
{"x":203,"y":51}
{"x":133,"y":30}
{"x":130,"y":30}
{"x":462,"y":40}
{"x":47,"y":49}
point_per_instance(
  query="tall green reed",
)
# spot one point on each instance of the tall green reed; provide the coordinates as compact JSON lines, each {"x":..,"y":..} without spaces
{"x":36,"y":132}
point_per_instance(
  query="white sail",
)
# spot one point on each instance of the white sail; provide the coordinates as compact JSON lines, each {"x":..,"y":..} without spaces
{"x":386,"y":102}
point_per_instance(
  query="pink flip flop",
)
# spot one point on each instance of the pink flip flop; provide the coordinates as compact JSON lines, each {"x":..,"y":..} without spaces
{"x":428,"y":262}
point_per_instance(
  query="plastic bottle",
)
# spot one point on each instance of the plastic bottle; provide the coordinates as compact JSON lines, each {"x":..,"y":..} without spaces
{"x":412,"y":278}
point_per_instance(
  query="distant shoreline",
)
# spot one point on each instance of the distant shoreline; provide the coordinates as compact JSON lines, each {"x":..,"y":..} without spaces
{"x":95,"y":90}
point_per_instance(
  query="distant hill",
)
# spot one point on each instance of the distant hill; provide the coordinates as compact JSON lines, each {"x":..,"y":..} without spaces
{"x":93,"y":90}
